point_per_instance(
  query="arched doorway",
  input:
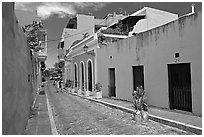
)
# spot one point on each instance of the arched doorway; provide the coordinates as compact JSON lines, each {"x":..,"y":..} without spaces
{"x":75,"y":75}
{"x":82,"y":76}
{"x":89,"y":75}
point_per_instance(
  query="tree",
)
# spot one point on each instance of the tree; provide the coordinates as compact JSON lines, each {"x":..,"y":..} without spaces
{"x":46,"y":73}
{"x":56,"y":65}
{"x":32,"y":32}
{"x":43,"y":67}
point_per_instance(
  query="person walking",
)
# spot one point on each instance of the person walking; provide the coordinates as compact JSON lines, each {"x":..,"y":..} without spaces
{"x":57,"y":85}
{"x":60,"y":85}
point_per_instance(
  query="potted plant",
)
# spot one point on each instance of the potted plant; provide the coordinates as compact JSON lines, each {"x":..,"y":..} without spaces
{"x":69,"y":85}
{"x":83,"y":87}
{"x":86,"y":92}
{"x":75,"y":86}
{"x":139,"y":102}
{"x":72,"y":85}
{"x":98,"y":91}
{"x":79,"y":89}
{"x":66,"y":85}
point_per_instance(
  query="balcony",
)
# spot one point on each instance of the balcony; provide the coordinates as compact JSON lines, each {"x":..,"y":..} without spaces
{"x":42,"y":54}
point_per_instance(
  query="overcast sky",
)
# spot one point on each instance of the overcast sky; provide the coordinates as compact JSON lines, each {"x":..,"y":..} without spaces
{"x":55,"y":15}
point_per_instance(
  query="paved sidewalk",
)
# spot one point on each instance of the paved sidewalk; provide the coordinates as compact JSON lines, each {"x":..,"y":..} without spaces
{"x":39,"y":122}
{"x":173,"y":115}
{"x":181,"y":120}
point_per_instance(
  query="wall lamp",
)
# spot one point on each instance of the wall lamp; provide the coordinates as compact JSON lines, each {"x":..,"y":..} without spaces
{"x":86,"y":51}
{"x":67,"y":59}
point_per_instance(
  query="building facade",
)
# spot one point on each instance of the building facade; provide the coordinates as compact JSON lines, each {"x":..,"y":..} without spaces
{"x":79,"y":33}
{"x":78,"y":60}
{"x":150,"y":48}
{"x":166,"y":61}
{"x":19,"y":69}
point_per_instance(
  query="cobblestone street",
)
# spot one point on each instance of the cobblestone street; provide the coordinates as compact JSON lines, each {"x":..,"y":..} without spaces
{"x":74,"y":115}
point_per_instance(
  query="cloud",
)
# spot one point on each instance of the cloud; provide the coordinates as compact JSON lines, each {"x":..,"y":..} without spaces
{"x":26,"y":6}
{"x":48,"y":9}
{"x":62,"y":9}
{"x":90,"y":5}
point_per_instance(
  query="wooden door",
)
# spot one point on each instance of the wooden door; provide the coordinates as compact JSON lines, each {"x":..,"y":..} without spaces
{"x":180,"y":86}
{"x":112,"y":82}
{"x":138,"y":76}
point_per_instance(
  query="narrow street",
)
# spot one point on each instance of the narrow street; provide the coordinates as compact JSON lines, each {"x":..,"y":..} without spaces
{"x":74,"y":115}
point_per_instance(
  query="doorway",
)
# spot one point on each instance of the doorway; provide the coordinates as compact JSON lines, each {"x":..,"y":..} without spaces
{"x":179,"y":76}
{"x":138,"y":76}
{"x":89,"y":75}
{"x":112,"y":92}
{"x":75,"y":75}
{"x":82,"y":76}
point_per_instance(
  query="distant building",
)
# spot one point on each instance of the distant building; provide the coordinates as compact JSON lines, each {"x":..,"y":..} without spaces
{"x":77,"y":31}
{"x":140,"y":21}
{"x":41,"y":54}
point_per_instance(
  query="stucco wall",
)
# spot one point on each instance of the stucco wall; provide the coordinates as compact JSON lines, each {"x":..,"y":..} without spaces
{"x":68,"y":71}
{"x":85,"y":24}
{"x":84,"y":58}
{"x":153,"y":19}
{"x":16,"y":90}
{"x":155,"y":49}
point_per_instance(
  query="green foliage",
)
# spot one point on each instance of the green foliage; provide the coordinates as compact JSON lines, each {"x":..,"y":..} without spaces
{"x":32,"y":32}
{"x":68,"y":83}
{"x":119,"y":30}
{"x":46,"y":73}
{"x":72,"y":83}
{"x":84,"y":85}
{"x":56,"y":65}
{"x":61,"y":64}
{"x":98,"y":87}
{"x":139,"y":99}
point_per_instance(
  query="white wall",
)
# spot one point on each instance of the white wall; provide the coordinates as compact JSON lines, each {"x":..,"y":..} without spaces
{"x":153,"y":19}
{"x":155,"y":49}
{"x":85,"y":24}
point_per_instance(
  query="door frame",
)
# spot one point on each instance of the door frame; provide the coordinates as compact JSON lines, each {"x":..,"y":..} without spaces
{"x":112,"y":93}
{"x":76,"y":78}
{"x":92,"y":73}
{"x":171,"y":97}
{"x":133,"y":79}
{"x":82,"y":73}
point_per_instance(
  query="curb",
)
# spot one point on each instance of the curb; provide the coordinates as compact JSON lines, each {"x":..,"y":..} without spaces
{"x":35,"y":99}
{"x":172,"y":123}
{"x":51,"y":118}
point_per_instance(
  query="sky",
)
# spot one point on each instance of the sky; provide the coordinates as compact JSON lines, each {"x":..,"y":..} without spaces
{"x":55,"y":15}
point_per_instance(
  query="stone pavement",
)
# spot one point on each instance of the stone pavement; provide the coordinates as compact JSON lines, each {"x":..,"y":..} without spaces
{"x":182,"y":120}
{"x":40,"y":121}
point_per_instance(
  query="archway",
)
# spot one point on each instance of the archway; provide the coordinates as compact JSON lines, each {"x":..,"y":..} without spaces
{"x":82,"y":76}
{"x":75,"y":75}
{"x":90,"y":75}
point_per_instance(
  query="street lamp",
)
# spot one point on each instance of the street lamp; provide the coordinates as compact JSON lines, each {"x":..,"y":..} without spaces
{"x":86,"y":50}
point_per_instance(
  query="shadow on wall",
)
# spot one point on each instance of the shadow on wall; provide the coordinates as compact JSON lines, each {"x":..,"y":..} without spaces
{"x":16,"y":70}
